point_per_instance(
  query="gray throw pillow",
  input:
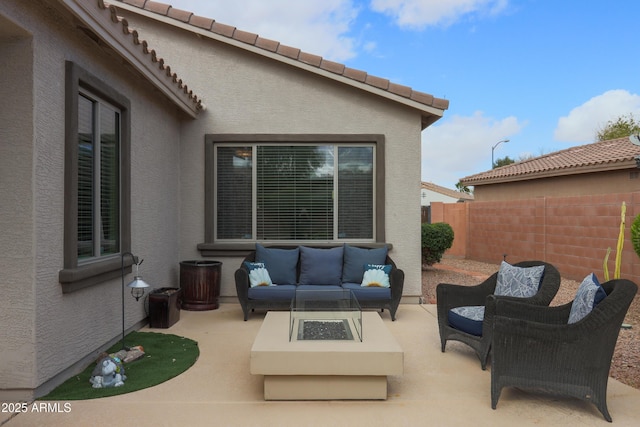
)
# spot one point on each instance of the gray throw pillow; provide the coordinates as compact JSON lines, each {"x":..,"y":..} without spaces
{"x":521,"y":282}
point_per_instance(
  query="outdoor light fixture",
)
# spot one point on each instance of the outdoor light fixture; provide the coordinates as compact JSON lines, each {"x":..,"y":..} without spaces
{"x":635,"y":138}
{"x":137,"y":287}
{"x":493,"y":165}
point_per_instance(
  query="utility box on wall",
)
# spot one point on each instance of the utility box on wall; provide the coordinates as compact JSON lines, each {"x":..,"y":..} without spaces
{"x":164,"y":307}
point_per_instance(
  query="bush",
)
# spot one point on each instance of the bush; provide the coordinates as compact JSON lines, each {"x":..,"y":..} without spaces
{"x":436,"y":238}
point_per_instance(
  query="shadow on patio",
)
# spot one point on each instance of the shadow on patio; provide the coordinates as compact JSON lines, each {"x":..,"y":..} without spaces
{"x":441,"y":389}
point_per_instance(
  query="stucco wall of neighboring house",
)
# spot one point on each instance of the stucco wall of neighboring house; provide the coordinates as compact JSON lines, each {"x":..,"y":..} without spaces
{"x":618,"y":181}
{"x":247,"y":93}
{"x":427,"y":197}
{"x":46,"y":331}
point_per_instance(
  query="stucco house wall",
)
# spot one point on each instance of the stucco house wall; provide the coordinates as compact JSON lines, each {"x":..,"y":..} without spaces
{"x":44,"y":331}
{"x":247,"y":93}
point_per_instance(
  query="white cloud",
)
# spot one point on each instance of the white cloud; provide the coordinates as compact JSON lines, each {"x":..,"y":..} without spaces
{"x":318,"y":27}
{"x":422,"y":13}
{"x":461,"y":146}
{"x":583,"y":122}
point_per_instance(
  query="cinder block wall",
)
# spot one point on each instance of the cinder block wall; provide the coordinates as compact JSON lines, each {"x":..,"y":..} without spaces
{"x":573,"y":233}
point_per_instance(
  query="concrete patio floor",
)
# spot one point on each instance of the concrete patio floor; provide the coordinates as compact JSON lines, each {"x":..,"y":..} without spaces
{"x":436,"y":389}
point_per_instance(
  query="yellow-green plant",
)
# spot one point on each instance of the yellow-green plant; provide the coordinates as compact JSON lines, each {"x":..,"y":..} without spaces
{"x":635,"y":235}
{"x":616,"y":273}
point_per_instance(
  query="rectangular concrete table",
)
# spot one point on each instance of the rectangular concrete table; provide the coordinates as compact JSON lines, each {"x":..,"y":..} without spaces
{"x":325,"y":369}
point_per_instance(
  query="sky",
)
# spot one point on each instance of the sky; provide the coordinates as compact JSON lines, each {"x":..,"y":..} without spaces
{"x":544,"y":74}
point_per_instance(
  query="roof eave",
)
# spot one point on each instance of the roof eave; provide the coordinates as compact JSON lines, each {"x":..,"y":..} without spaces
{"x":99,"y":20}
{"x":599,"y":167}
{"x":429,"y":114}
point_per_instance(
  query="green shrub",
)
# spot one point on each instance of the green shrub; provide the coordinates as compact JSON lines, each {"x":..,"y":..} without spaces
{"x":436,"y":238}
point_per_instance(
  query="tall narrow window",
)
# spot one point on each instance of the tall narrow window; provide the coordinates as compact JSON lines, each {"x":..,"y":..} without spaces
{"x":98,"y":178}
{"x":97,"y":195}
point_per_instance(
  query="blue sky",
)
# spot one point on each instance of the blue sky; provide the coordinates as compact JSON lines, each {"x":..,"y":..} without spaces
{"x":545,"y":74}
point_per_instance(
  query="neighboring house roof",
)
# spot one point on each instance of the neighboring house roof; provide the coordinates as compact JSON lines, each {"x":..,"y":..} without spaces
{"x":101,"y":23}
{"x":446,"y":191}
{"x":600,"y":156}
{"x":431,"y":107}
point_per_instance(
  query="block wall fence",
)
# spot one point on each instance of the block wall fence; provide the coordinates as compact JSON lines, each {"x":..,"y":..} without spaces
{"x":572,"y":233}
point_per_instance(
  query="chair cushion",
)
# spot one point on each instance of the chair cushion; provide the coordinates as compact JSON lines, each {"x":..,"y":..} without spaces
{"x":589,"y":294}
{"x":467,"y":319}
{"x":258,"y":274}
{"x":355,"y":260}
{"x":280,"y":263}
{"x":366,"y":293}
{"x":521,"y":282}
{"x":272,"y":293}
{"x":376,"y":275}
{"x":321,"y":266}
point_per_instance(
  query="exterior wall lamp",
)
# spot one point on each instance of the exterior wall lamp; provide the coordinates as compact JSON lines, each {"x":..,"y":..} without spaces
{"x":137,"y":287}
{"x":493,"y":165}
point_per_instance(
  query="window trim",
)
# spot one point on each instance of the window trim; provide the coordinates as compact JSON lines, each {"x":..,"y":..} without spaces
{"x":75,"y":276}
{"x":211,"y":247}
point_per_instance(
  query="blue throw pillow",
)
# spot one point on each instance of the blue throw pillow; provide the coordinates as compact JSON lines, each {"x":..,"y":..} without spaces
{"x":355,"y":260}
{"x":321,"y":266}
{"x":280,"y":263}
{"x":589,"y":294}
{"x":521,"y":282}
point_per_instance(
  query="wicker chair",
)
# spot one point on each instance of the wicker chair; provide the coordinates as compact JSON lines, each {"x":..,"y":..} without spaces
{"x":534,"y":347}
{"x":451,"y":296}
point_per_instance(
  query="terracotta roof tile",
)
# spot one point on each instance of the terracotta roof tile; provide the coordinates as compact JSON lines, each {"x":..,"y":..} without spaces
{"x":288,"y":51}
{"x":354,"y":74}
{"x":267,"y":44}
{"x":222,"y":29}
{"x":179,"y":14}
{"x":310,"y":59}
{"x":245,"y":37}
{"x":298,"y":55}
{"x":204,"y":23}
{"x":602,"y":155}
{"x":157,"y":7}
{"x":334,"y":67}
{"x":152,"y":54}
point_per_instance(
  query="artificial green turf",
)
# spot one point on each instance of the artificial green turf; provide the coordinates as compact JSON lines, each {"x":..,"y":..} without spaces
{"x":166,"y":356}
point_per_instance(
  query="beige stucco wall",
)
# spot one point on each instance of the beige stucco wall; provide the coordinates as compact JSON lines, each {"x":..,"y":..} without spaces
{"x":247,"y":93}
{"x":43,"y":330}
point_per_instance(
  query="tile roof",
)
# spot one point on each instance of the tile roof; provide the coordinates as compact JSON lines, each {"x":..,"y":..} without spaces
{"x":446,"y":191}
{"x":267,"y":46}
{"x":596,"y":157}
{"x":152,"y":56}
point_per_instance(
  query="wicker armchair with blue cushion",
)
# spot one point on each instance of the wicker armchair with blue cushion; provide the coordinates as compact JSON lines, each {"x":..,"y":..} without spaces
{"x":465,"y":313}
{"x":564,"y":350}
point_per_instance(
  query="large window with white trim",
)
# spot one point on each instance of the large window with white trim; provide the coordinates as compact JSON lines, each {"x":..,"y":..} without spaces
{"x":293,"y":188}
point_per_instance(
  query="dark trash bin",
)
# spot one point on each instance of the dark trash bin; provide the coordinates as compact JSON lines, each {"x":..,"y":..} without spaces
{"x":200,"y":284}
{"x":164,"y":307}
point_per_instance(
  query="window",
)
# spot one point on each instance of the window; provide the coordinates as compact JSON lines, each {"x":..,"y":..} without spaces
{"x":321,"y":188}
{"x":97,"y":217}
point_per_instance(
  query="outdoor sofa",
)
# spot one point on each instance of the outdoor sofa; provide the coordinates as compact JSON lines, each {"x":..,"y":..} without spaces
{"x":369,"y":273}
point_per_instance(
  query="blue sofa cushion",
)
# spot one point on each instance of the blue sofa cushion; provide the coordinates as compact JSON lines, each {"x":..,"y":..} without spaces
{"x":280,"y":263}
{"x":467,"y":319}
{"x":320,"y":266}
{"x":521,"y":282}
{"x":273,"y":293}
{"x":355,"y":260}
{"x":368,"y":293}
{"x":589,"y":294}
{"x":376,"y":275}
